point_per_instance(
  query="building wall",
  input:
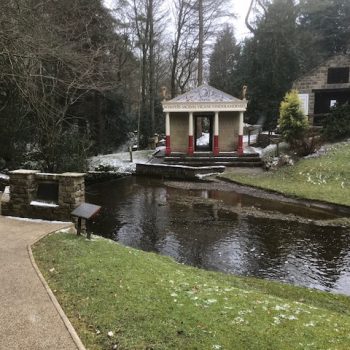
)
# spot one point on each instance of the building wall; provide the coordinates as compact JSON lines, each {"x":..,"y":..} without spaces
{"x":179,"y":132}
{"x":228,"y":131}
{"x":317,"y":79}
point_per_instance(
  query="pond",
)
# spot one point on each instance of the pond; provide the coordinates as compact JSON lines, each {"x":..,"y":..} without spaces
{"x":145,"y":214}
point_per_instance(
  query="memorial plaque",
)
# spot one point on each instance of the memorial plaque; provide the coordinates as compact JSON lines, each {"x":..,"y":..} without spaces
{"x":86,"y":211}
{"x":304,"y":99}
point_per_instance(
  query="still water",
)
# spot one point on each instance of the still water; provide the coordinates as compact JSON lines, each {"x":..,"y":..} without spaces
{"x":145,"y":214}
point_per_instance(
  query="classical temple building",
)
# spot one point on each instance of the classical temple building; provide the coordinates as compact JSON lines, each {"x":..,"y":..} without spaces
{"x":204,"y":120}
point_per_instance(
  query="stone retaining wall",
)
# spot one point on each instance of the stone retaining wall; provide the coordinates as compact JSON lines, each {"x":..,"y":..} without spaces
{"x":23,"y":202}
{"x":176,"y":171}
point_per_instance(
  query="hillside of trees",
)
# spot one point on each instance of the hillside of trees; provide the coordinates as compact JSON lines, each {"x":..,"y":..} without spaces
{"x":77,"y":76}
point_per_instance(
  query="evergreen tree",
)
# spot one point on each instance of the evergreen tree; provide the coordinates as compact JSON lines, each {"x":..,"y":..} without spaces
{"x":269,"y":62}
{"x":292,"y":120}
{"x":223,"y":60}
{"x":328,"y":22}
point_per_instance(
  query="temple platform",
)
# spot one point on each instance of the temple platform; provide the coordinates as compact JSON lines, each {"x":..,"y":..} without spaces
{"x":203,"y":159}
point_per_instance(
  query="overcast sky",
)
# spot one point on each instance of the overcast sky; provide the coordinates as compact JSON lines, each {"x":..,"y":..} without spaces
{"x":240,"y":8}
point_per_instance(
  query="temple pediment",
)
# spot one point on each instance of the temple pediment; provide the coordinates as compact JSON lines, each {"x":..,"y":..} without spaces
{"x":205,"y":93}
{"x":204,"y":98}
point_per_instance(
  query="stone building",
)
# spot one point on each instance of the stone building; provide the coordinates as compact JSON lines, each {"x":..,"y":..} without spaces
{"x":204,"y":120}
{"x":326,"y":85}
{"x":37,"y":195}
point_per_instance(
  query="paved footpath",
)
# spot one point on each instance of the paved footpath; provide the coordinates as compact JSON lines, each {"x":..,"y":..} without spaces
{"x":28,"y":318}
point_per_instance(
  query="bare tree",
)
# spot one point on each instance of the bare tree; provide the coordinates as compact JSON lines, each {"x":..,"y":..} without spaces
{"x":55,"y":58}
{"x":183,"y":48}
{"x":148,"y":19}
{"x":200,"y":41}
{"x":253,"y":7}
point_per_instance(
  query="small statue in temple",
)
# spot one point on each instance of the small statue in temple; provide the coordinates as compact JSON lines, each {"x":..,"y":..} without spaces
{"x":164,"y":92}
{"x":244,"y":92}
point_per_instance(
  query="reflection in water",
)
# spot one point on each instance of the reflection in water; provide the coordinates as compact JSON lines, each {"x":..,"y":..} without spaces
{"x":140,"y":213}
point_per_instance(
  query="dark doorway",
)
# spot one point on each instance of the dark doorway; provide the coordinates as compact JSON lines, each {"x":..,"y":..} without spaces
{"x":203,"y":133}
{"x":326,"y":99}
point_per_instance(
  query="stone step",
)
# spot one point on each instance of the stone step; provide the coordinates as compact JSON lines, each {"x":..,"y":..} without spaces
{"x":227,"y":164}
{"x":211,"y":156}
{"x":212,"y":159}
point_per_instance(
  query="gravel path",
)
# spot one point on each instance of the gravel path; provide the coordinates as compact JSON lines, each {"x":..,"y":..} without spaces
{"x":29,"y":320}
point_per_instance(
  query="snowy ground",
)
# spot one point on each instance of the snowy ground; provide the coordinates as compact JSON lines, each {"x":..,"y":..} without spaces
{"x":204,"y":139}
{"x":120,"y":162}
{"x":4,"y":177}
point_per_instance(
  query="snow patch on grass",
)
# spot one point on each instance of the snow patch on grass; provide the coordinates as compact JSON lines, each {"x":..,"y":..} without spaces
{"x":120,"y":162}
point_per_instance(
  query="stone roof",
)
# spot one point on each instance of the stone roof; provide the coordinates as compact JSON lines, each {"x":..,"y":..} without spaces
{"x":205,"y":98}
{"x":205,"y":93}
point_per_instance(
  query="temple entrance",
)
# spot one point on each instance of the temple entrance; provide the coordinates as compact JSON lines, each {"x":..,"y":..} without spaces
{"x":203,"y":133}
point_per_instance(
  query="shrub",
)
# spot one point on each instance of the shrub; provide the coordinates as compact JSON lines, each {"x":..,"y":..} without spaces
{"x":292,"y":122}
{"x":337,"y":124}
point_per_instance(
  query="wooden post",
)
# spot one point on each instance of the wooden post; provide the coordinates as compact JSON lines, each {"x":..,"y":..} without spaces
{"x":130,"y":151}
{"x":79,"y":227}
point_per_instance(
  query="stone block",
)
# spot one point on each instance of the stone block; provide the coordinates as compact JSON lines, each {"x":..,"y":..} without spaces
{"x":23,"y":187}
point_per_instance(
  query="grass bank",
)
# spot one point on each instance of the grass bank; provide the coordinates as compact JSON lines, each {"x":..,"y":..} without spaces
{"x":148,"y":301}
{"x":325,"y":178}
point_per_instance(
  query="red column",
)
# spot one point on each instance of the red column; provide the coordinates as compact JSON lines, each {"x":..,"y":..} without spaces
{"x":167,"y":146}
{"x":216,"y":134}
{"x":216,"y":145}
{"x":167,"y":133}
{"x":190,"y":134}
{"x":240,"y":145}
{"x":240,"y":135}
{"x":190,"y":145}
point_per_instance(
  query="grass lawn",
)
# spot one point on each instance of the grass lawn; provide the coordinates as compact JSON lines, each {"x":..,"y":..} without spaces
{"x":325,"y":178}
{"x":150,"y":302}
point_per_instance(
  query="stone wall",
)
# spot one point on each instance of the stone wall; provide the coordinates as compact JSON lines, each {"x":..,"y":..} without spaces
{"x":176,"y":171}
{"x":317,"y":79}
{"x":228,"y":131}
{"x":179,"y":132}
{"x":23,"y":202}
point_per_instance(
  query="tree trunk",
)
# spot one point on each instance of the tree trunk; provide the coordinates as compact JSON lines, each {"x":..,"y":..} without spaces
{"x":100,"y":122}
{"x":175,"y":49}
{"x":200,"y":42}
{"x":173,"y":69}
{"x":151,"y":66}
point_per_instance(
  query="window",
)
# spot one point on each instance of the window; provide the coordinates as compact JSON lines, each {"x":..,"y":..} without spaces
{"x":338,"y":75}
{"x":47,"y":192}
{"x":332,"y":103}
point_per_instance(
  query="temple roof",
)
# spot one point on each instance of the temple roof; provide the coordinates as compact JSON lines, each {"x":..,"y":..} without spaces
{"x":205,"y":93}
{"x":204,"y":98}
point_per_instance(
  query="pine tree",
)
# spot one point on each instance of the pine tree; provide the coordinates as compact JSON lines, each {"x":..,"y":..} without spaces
{"x":223,"y":60}
{"x":292,"y":121}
